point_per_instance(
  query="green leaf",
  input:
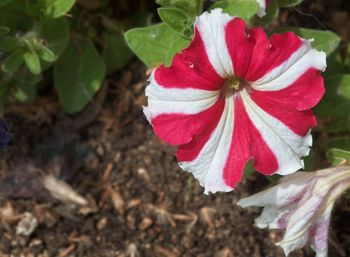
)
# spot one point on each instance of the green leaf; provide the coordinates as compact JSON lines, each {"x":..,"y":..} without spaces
{"x":49,"y":9}
{"x":13,"y":61}
{"x":244,"y":9}
{"x":335,"y":65}
{"x":32,"y":61}
{"x":26,"y":92}
{"x":4,"y":31}
{"x":338,"y":156}
{"x":289,"y":3}
{"x":326,"y":41}
{"x":347,"y":58}
{"x":56,"y":34}
{"x":178,"y":20}
{"x":155,"y":44}
{"x":15,"y":16}
{"x":344,"y":87}
{"x":26,"y":86}
{"x":45,"y":53}
{"x":192,"y":7}
{"x":78,"y":75}
{"x":116,"y":53}
{"x":334,"y":105}
{"x":8,"y":44}
{"x":335,"y":102}
{"x":3,"y":2}
{"x":339,"y":142}
{"x":248,"y":170}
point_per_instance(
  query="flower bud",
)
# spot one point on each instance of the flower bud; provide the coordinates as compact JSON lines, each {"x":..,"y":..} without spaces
{"x":301,"y":204}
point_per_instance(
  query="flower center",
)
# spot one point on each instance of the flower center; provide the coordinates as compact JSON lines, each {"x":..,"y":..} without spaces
{"x":233,"y":85}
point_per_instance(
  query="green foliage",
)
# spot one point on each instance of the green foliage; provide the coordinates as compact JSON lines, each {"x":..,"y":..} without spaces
{"x":32,"y":61}
{"x":244,"y":9}
{"x":78,"y":75}
{"x":13,"y":61}
{"x":178,"y":20}
{"x":3,"y":2}
{"x":47,"y":9}
{"x":155,"y":44}
{"x":326,"y":41}
{"x":34,"y":36}
{"x":26,"y":93}
{"x":4,"y":31}
{"x":116,"y":53}
{"x":347,"y":57}
{"x":337,"y":88}
{"x":55,"y":34}
{"x":192,"y":7}
{"x":338,"y":156}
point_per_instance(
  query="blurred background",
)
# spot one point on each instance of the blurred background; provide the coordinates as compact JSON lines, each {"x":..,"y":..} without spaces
{"x":84,"y":175}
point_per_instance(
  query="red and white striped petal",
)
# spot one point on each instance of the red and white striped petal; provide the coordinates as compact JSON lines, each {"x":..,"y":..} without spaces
{"x":209,"y":159}
{"x":162,"y":100}
{"x":177,"y":114}
{"x":304,"y":59}
{"x":287,"y":146}
{"x":211,"y":26}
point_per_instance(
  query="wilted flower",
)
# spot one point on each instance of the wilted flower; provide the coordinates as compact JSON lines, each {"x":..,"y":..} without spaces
{"x":262,"y":7}
{"x":234,"y":95}
{"x":301,"y":204}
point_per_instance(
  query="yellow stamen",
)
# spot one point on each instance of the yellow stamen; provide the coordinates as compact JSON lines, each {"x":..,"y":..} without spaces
{"x":234,"y":83}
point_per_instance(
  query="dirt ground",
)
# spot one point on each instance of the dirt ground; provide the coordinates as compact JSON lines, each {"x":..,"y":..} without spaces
{"x":135,"y":201}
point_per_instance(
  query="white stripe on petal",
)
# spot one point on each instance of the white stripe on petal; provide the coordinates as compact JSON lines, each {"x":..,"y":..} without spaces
{"x":287,"y":146}
{"x":289,"y":71}
{"x":319,"y":239}
{"x":297,"y":231}
{"x":262,"y":8}
{"x":281,"y":195}
{"x":211,"y":26}
{"x":163,"y":100}
{"x":209,"y":165}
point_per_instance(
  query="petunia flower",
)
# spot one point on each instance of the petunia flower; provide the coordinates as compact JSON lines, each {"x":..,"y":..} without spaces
{"x":235,"y":95}
{"x":262,"y":7}
{"x":301,"y":204}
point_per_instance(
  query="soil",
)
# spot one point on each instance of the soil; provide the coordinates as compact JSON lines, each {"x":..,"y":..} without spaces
{"x":134,"y":199}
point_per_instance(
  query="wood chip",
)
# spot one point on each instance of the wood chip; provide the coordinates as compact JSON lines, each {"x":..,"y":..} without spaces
{"x":26,"y":225}
{"x":206,"y":215}
{"x":132,"y":251}
{"x":65,"y":252}
{"x":102,"y":223}
{"x":145,"y":223}
{"x":62,"y":191}
{"x":117,"y":200}
{"x":226,"y":252}
{"x":166,"y":252}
